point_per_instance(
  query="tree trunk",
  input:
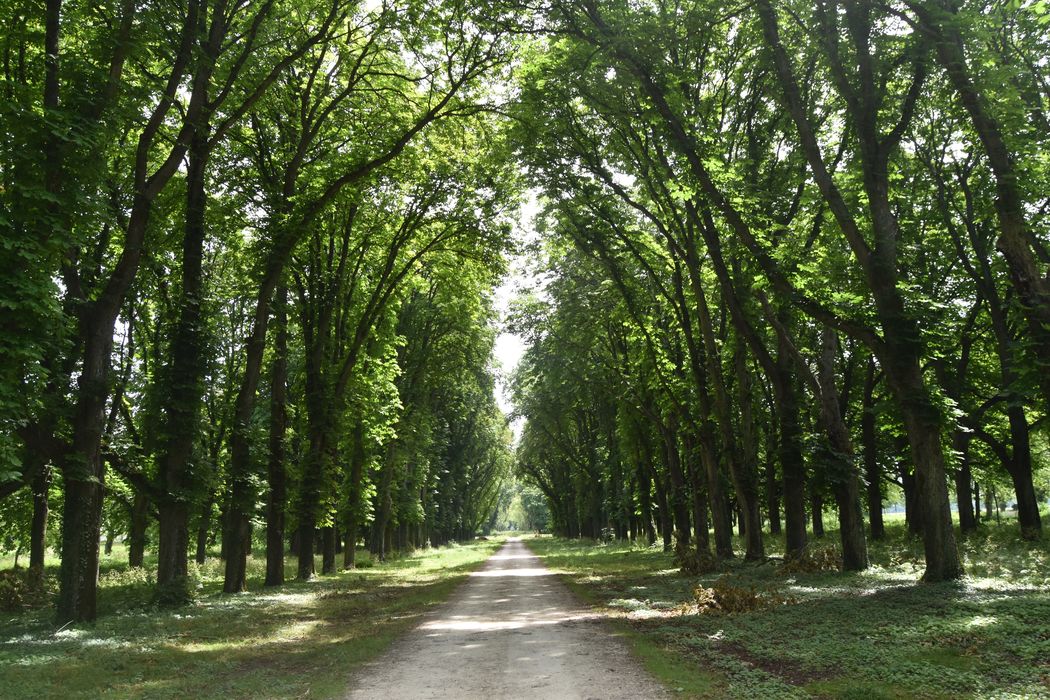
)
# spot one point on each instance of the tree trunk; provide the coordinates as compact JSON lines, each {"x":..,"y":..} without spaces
{"x":699,"y":493}
{"x":137,"y":536}
{"x":242,"y":493}
{"x":353,"y":517}
{"x":844,"y":482}
{"x":923,"y":424}
{"x":84,"y":474}
{"x":679,"y":495}
{"x":81,"y":516}
{"x":1020,"y":468}
{"x":750,"y":512}
{"x":664,"y":514}
{"x":350,"y":547}
{"x":772,"y":487}
{"x":977,"y":503}
{"x":816,"y":509}
{"x":379,"y":540}
{"x":307,"y":548}
{"x":963,"y":478}
{"x":275,"y":474}
{"x":872,"y":472}
{"x":184,"y":380}
{"x":743,"y":476}
{"x":790,"y":451}
{"x":328,"y":538}
{"x":203,"y":530}
{"x":38,"y":531}
{"x":912,"y":506}
{"x":645,"y":505}
{"x":715,"y":492}
{"x":236,"y":541}
{"x":172,"y":545}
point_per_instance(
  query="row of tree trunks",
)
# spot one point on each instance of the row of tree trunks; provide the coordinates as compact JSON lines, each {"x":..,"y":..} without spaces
{"x":900,"y":349}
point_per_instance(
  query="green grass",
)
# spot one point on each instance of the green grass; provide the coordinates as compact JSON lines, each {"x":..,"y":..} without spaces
{"x":877,"y":634}
{"x":303,"y":639}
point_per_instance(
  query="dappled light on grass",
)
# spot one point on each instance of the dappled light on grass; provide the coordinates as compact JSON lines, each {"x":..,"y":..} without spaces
{"x":270,"y":643}
{"x":878,"y":633}
{"x":982,"y":621}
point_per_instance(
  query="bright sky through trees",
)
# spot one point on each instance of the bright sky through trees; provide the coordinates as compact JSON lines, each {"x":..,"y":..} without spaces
{"x":510,"y":346}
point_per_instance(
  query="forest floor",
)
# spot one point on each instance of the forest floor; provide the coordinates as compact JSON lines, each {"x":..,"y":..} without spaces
{"x":826,"y":634}
{"x":303,"y":639}
{"x":512,"y":631}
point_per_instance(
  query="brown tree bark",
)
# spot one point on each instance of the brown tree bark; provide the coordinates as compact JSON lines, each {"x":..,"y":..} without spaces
{"x":789,"y":450}
{"x":203,"y":530}
{"x":869,"y":446}
{"x":772,"y":484}
{"x":83,"y":467}
{"x":137,"y":533}
{"x":664,"y":514}
{"x":963,"y":490}
{"x":184,"y":380}
{"x":328,"y":540}
{"x":844,"y":481}
{"x":645,"y":505}
{"x":38,"y":529}
{"x":276,"y":475}
{"x":900,"y":348}
{"x":679,"y":497}
{"x":353,"y":516}
{"x":698,"y":490}
{"x":743,"y":476}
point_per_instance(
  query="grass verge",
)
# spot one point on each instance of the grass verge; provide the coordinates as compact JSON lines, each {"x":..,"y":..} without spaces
{"x":877,"y":634}
{"x":302,"y":639}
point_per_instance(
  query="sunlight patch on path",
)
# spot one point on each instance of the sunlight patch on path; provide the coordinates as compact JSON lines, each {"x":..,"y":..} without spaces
{"x":513,"y":630}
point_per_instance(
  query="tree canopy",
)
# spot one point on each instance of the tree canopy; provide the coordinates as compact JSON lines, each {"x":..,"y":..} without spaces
{"x":789,"y":258}
{"x":793,"y":253}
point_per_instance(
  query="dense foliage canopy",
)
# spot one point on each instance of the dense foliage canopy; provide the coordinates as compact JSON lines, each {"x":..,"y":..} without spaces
{"x":791,"y":253}
{"x":248,"y":262}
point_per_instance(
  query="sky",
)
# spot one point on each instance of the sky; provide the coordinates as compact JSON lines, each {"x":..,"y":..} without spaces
{"x":510,"y":346}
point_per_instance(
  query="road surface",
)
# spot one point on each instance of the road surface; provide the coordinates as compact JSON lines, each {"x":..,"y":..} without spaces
{"x":511,"y":631}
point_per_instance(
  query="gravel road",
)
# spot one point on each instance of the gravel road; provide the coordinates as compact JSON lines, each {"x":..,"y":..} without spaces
{"x":511,"y":631}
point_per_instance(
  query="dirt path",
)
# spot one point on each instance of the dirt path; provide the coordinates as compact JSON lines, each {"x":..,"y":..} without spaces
{"x":512,"y":631}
